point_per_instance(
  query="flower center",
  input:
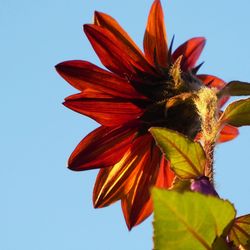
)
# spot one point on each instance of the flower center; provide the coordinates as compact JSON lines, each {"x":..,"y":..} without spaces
{"x":173,"y":103}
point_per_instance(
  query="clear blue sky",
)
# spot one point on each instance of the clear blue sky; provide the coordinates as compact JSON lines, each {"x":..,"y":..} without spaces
{"x":45,"y":206}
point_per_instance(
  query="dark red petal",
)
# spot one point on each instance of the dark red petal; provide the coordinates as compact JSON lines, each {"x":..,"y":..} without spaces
{"x":228,"y":133}
{"x":166,"y":175}
{"x":214,"y":82}
{"x":115,"y":54}
{"x":137,"y":204}
{"x":155,"y":37}
{"x":103,"y":147}
{"x":105,"y":21}
{"x":108,"y":111}
{"x":190,"y":52}
{"x":114,"y":182}
{"x":83,"y":75}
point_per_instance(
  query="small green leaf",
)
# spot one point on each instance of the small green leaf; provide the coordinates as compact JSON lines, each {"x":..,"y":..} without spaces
{"x":237,"y":113}
{"x":187,"y":157}
{"x":181,"y":185}
{"x":235,"y":88}
{"x":240,"y":231}
{"x":189,"y":221}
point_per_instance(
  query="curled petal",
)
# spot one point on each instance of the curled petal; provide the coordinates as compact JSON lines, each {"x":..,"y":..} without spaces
{"x":85,"y":75}
{"x":155,"y":38}
{"x":137,"y":204}
{"x":103,"y":147}
{"x":114,"y":182}
{"x":107,"y":110}
{"x":115,"y":54}
{"x":190,"y":52}
{"x":228,"y":133}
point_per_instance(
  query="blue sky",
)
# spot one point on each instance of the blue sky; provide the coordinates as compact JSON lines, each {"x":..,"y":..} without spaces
{"x":45,"y":206}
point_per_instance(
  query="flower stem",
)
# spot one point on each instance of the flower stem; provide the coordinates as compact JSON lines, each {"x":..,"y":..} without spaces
{"x":209,"y":151}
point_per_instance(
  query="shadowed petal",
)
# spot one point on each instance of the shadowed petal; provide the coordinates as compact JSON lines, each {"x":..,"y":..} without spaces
{"x":214,"y":82}
{"x":103,"y":147}
{"x":114,"y":182}
{"x":228,"y":133}
{"x":115,"y":54}
{"x":155,"y":38}
{"x":190,"y":52}
{"x":107,"y":110}
{"x":83,"y":75}
{"x":137,"y":204}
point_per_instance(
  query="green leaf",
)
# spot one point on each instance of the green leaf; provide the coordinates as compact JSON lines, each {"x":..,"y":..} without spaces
{"x":187,"y":157}
{"x":189,"y":221}
{"x":240,"y":231}
{"x":235,"y":88}
{"x":237,"y":113}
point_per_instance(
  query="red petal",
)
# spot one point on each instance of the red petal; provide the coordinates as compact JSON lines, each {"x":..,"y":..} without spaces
{"x":103,"y":147}
{"x":228,"y":133}
{"x":137,"y":204}
{"x":89,"y":93}
{"x":146,"y":209}
{"x":214,"y":82}
{"x":83,"y":75}
{"x":190,"y":52}
{"x":142,"y":206}
{"x":106,"y":110}
{"x":166,"y":175}
{"x":114,"y":53}
{"x":155,"y":38}
{"x":115,"y":182}
{"x":105,"y":21}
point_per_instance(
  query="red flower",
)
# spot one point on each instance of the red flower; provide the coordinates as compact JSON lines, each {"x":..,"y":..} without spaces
{"x":129,"y":99}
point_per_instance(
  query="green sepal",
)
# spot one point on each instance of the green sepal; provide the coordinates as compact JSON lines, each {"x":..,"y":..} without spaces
{"x":235,"y":88}
{"x":237,"y":113}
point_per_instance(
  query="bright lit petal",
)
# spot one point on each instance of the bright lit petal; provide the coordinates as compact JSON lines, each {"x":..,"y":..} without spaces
{"x":114,"y":182}
{"x":166,"y":175}
{"x":103,"y":147}
{"x":136,"y":205}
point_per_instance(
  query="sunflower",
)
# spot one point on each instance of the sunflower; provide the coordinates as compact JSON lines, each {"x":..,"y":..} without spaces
{"x":138,"y":90}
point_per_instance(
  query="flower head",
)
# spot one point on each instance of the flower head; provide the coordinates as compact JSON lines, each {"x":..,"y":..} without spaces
{"x":138,"y":91}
